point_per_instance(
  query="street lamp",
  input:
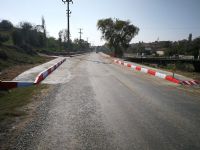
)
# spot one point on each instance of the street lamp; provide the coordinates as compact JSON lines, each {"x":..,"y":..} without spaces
{"x":68,"y":15}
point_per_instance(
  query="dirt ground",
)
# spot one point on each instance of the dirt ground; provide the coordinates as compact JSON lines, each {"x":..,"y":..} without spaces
{"x":14,"y":71}
{"x":193,"y":75}
{"x":11,"y":128}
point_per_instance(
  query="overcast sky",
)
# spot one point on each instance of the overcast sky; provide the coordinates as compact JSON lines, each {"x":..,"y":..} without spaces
{"x":163,"y":19}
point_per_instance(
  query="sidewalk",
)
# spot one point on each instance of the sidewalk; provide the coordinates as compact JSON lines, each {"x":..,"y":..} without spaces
{"x":31,"y":74}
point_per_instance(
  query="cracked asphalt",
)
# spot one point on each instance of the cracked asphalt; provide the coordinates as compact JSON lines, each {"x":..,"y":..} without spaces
{"x":100,"y":105}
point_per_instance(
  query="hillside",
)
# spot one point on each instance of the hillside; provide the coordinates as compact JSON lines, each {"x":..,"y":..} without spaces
{"x":14,"y":60}
{"x":18,"y":48}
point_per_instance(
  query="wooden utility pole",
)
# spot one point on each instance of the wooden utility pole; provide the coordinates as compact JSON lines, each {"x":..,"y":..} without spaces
{"x":80,"y":32}
{"x":68,"y":15}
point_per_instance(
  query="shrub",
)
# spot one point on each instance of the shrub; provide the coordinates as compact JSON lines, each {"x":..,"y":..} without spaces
{"x":3,"y":55}
{"x":3,"y":38}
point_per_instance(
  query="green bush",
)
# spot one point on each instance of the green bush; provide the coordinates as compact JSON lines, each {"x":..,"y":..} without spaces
{"x":185,"y":67}
{"x":3,"y":38}
{"x":3,"y":55}
{"x":181,"y":66}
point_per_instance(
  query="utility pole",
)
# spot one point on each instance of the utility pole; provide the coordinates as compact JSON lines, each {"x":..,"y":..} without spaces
{"x":68,"y":15}
{"x":80,"y":32}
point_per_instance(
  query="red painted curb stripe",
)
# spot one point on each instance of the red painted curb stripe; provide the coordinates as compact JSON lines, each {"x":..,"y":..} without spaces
{"x":192,"y":82}
{"x":129,"y":65}
{"x":152,"y":72}
{"x":170,"y":78}
{"x":138,"y":68}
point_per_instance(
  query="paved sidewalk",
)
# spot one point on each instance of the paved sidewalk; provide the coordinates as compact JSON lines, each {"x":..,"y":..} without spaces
{"x":32,"y":73}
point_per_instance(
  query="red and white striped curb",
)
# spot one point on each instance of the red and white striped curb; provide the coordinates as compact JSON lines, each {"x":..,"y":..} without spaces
{"x":6,"y":85}
{"x":192,"y":82}
{"x":148,"y":71}
{"x":158,"y":74}
{"x":47,"y":72}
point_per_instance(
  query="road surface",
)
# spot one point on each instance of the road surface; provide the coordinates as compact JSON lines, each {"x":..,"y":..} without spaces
{"x":100,"y":105}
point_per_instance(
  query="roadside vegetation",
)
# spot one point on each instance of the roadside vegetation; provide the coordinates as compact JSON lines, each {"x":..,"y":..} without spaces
{"x":15,"y":60}
{"x":12,"y":101}
{"x":118,"y":34}
{"x":20,"y":45}
{"x":17,"y":108}
{"x":34,"y":38}
{"x":19,"y":50}
{"x":179,"y":68}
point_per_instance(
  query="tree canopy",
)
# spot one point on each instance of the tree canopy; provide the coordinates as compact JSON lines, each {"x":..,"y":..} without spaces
{"x":6,"y":25}
{"x":27,"y":36}
{"x":117,"y":33}
{"x":3,"y":38}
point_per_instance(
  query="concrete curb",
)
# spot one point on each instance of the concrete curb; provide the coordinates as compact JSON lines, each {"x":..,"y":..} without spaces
{"x":148,"y":71}
{"x":158,"y":74}
{"x":155,"y":73}
{"x":190,"y":83}
{"x":47,"y":72}
{"x":6,"y":85}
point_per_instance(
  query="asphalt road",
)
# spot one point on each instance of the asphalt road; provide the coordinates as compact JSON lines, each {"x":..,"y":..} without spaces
{"x":100,"y":105}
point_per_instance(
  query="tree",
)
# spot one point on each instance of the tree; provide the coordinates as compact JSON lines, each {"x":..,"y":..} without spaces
{"x":25,"y":28}
{"x":28,"y":35}
{"x":195,"y":48}
{"x":60,"y":39}
{"x":140,"y":48}
{"x":63,"y":38}
{"x":44,"y":31}
{"x":17,"y":37}
{"x":3,"y":38}
{"x":52,"y":43}
{"x":117,"y":33}
{"x":65,"y":32}
{"x":6,"y":25}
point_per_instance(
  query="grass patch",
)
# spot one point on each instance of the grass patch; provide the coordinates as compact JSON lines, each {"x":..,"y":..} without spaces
{"x":14,"y":61}
{"x":12,"y":56}
{"x":180,"y":68}
{"x":11,"y":102}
